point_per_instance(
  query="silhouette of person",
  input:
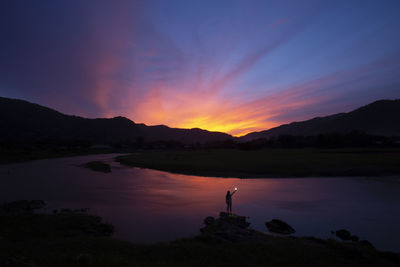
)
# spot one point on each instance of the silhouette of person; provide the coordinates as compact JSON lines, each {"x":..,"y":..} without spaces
{"x":228,"y":199}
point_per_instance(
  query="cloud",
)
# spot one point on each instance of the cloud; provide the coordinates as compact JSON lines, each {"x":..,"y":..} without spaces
{"x":110,"y":60}
{"x":281,"y":21}
{"x":293,"y":102}
{"x":190,"y":98}
{"x":63,"y":54}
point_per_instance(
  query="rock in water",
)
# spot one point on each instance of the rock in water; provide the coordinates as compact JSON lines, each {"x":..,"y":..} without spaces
{"x":280,"y":227}
{"x":209,"y":220}
{"x":98,"y":166}
{"x":21,"y":207}
{"x":343,"y":234}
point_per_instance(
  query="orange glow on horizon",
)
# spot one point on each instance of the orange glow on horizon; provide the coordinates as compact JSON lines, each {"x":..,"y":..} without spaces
{"x":219,"y":104}
{"x":202,"y":109}
{"x":233,"y":128}
{"x":206,"y":109}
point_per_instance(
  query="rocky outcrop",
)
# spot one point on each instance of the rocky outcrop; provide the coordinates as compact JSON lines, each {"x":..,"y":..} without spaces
{"x":279,"y":227}
{"x":238,"y":221}
{"x":66,"y":222}
{"x":343,"y":234}
{"x":346,"y":235}
{"x":209,"y":220}
{"x":231,"y":228}
{"x":21,"y":207}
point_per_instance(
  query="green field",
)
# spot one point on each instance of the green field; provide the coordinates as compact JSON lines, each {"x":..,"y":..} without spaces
{"x":271,"y":162}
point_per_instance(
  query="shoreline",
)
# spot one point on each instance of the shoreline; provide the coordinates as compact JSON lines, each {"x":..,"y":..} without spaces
{"x":261,"y":176}
{"x":21,"y":156}
{"x":279,"y":163}
{"x":213,"y":174}
{"x":76,"y":238}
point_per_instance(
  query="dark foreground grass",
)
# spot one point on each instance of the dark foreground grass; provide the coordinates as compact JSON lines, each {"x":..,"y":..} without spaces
{"x":271,"y":162}
{"x":69,"y":240}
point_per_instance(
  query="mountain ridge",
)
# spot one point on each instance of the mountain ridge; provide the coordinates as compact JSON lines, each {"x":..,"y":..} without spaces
{"x":377,"y":118}
{"x":22,"y":121}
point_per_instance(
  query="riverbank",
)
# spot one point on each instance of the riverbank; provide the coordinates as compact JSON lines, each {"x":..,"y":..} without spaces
{"x":75,"y":238}
{"x":15,"y":155}
{"x":275,"y":163}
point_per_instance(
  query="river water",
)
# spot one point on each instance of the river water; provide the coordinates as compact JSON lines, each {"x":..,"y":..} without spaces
{"x":151,"y":206}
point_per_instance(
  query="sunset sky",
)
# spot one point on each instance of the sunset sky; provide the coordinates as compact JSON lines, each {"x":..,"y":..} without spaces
{"x":231,"y":66}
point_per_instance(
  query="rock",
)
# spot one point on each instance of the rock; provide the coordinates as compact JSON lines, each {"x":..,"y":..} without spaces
{"x":209,"y":220}
{"x":354,"y":238}
{"x":343,"y":234}
{"x":74,"y":224}
{"x":19,"y":261}
{"x":37,"y":204}
{"x":280,"y":227}
{"x":223,"y":214}
{"x":106,"y":229}
{"x":98,"y":166}
{"x":239,"y":221}
{"x":230,"y":228}
{"x":367,"y":244}
{"x":21,"y":207}
{"x":66,"y":210}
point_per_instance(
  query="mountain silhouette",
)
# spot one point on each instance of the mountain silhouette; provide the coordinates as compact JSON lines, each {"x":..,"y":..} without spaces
{"x":25,"y":122}
{"x":22,"y":121}
{"x":378,"y":118}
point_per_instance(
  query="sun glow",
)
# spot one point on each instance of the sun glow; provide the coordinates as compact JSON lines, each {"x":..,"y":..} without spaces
{"x":208,"y":107}
{"x":233,"y":128}
{"x":201,"y":109}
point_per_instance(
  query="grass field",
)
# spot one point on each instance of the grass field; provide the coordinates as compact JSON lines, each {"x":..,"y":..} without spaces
{"x":271,"y":162}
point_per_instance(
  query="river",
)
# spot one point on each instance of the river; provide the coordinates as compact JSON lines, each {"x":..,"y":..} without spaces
{"x":150,"y":206}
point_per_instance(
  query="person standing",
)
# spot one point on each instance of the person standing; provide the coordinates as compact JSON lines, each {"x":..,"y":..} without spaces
{"x":228,"y":199}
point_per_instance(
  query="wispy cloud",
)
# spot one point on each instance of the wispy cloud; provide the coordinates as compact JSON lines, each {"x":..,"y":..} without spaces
{"x":120,"y":59}
{"x":281,"y":21}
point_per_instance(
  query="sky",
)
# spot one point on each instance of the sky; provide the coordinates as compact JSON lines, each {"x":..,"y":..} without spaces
{"x":230,"y":66}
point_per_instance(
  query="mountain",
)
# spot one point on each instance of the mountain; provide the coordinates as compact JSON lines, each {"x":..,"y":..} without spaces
{"x":378,"y":118}
{"x":22,"y":121}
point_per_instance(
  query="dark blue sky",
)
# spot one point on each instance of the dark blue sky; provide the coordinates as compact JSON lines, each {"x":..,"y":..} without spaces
{"x":234,"y":66}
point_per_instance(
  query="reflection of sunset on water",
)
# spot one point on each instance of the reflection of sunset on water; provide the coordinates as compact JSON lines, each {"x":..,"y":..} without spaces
{"x":149,"y":206}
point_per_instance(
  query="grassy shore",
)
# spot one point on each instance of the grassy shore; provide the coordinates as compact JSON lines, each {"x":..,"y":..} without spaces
{"x":271,"y":162}
{"x":76,"y":239}
{"x":14,"y":155}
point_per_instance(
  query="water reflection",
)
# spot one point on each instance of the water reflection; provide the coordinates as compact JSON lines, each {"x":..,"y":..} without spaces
{"x":149,"y":206}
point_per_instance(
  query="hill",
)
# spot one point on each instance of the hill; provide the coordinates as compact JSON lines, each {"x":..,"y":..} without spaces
{"x":378,"y":118}
{"x":22,"y":121}
{"x":25,"y":122}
